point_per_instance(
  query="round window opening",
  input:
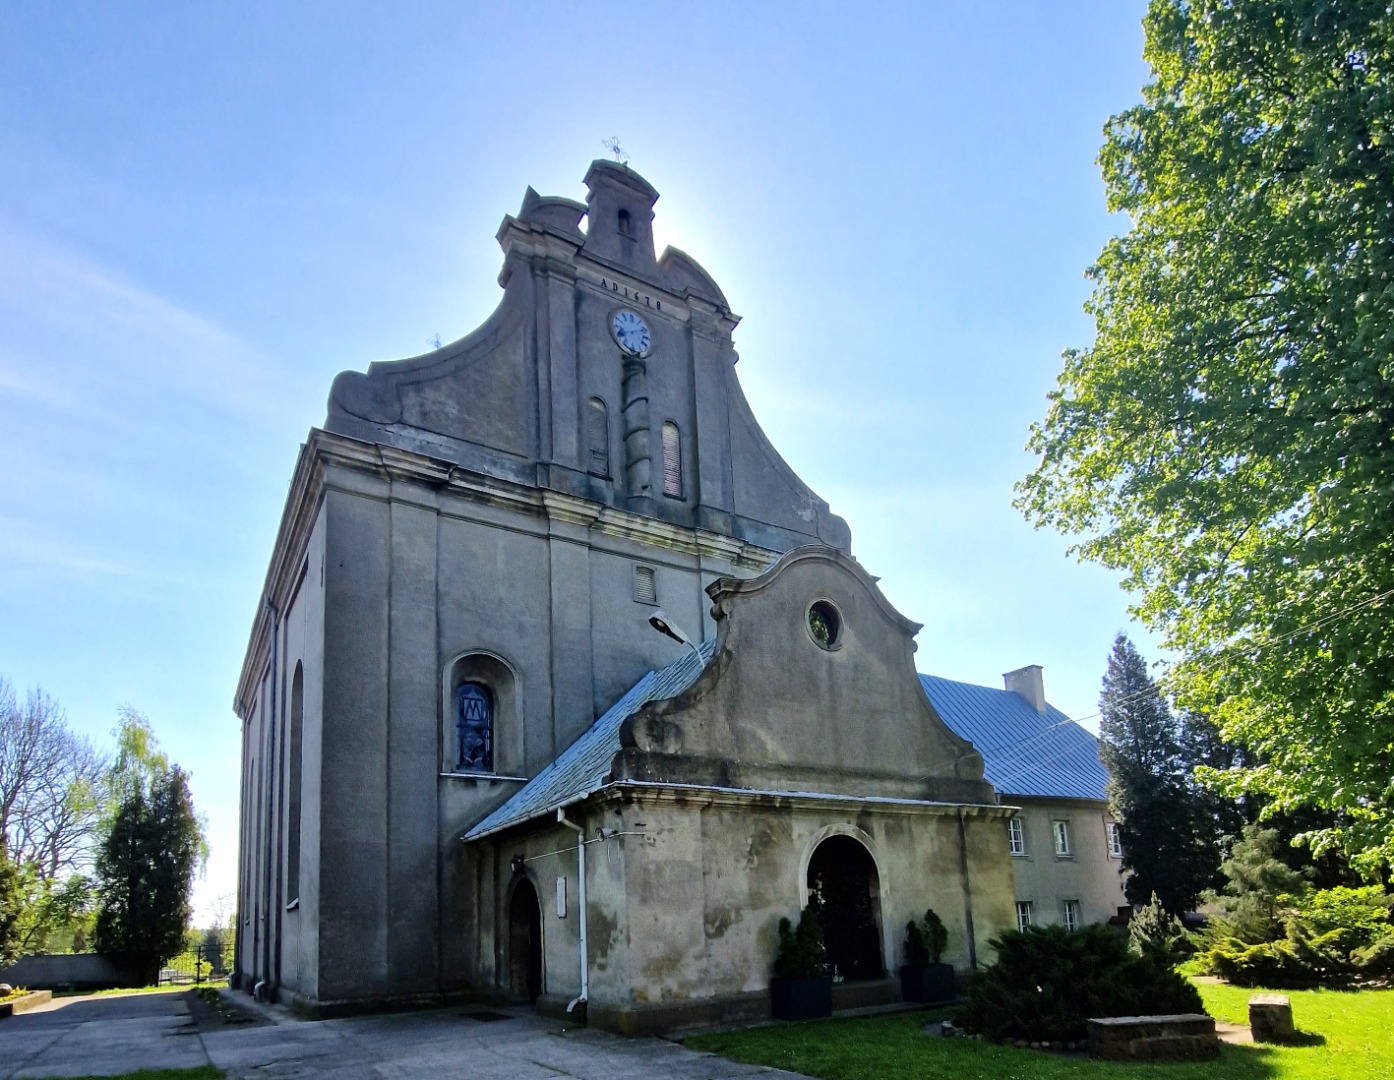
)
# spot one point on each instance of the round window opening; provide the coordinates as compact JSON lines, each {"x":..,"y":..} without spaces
{"x":825,"y":624}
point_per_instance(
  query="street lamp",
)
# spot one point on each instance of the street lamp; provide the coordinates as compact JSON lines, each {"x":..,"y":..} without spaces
{"x":660,"y":621}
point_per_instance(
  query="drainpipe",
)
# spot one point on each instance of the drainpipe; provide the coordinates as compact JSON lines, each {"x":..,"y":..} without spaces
{"x":584,"y":995}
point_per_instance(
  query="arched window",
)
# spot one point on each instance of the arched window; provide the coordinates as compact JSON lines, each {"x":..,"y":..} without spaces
{"x":672,"y":460}
{"x":598,"y":437}
{"x":297,"y":726}
{"x":624,"y":222}
{"x":474,"y":728}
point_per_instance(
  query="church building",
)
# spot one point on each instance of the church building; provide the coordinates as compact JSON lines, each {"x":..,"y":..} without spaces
{"x":564,"y":687}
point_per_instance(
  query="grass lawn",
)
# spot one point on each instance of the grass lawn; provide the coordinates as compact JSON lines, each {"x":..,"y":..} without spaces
{"x":1353,"y":1039}
{"x":171,"y":989}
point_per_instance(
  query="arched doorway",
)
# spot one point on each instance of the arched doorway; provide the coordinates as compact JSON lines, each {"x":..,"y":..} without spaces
{"x":845,"y":892}
{"x":525,"y":942}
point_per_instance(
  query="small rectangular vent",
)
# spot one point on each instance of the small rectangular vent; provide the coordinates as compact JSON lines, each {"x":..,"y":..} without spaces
{"x":645,"y":588}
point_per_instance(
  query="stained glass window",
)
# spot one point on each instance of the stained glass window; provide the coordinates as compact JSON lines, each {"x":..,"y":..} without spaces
{"x":474,"y":728}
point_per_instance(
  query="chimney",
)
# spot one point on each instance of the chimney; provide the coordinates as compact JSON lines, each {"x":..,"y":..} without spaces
{"x":1028,"y":683}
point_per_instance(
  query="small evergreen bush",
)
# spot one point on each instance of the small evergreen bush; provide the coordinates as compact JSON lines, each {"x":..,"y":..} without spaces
{"x":1156,"y":934}
{"x":925,"y":940}
{"x":800,"y":952}
{"x":1332,"y":937}
{"x":1048,"y":982}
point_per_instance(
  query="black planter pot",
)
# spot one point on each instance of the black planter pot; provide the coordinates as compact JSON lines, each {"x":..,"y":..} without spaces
{"x":928,"y":985}
{"x":801,"y":999}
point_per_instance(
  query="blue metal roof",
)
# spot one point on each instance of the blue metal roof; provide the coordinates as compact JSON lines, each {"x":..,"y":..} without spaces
{"x":584,"y":765}
{"x":1025,"y":753}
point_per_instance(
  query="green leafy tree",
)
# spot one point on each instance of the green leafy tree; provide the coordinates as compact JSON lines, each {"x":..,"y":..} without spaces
{"x":1226,"y":441}
{"x":145,"y":870}
{"x":1168,"y":847}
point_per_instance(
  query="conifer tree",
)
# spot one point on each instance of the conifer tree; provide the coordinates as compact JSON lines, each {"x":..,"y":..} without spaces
{"x":145,"y":869}
{"x":1167,"y":847}
{"x":11,"y":908}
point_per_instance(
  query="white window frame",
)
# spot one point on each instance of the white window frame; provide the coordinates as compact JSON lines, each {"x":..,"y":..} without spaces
{"x":1060,"y":834}
{"x":1016,"y":837}
{"x":1024,"y":915}
{"x":1071,"y":915}
{"x":1115,"y":840}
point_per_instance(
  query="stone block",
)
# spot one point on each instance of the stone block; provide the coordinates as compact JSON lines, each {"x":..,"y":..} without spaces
{"x":1186,"y":1036}
{"x":1270,"y":1018}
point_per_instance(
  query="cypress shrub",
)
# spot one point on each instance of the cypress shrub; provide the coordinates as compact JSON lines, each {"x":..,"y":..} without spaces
{"x":1047,"y":983}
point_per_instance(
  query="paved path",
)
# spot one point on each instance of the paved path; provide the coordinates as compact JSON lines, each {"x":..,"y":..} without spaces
{"x":109,"y":1035}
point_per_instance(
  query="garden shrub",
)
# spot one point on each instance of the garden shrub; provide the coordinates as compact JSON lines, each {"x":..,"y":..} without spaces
{"x":1364,"y":912}
{"x":1331,"y":937}
{"x":1048,"y":982}
{"x":925,"y":940}
{"x":800,"y":952}
{"x":1376,"y":960}
{"x":1156,"y":934}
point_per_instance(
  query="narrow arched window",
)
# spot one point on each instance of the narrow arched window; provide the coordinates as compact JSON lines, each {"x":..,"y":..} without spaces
{"x":474,"y":728}
{"x":672,"y":460}
{"x":598,"y":438}
{"x":297,"y":729}
{"x":624,"y":222}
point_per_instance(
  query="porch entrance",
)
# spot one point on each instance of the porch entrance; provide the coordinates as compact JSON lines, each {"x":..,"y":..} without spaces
{"x":844,"y":890}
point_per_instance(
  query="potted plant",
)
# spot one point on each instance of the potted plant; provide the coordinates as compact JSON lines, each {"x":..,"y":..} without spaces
{"x":801,"y":989}
{"x":923,"y":978}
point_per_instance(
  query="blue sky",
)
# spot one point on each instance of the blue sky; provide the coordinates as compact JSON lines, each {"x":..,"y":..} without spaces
{"x":208,"y":210}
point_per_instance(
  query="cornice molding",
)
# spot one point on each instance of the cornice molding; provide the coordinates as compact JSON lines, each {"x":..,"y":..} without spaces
{"x":324,"y":452}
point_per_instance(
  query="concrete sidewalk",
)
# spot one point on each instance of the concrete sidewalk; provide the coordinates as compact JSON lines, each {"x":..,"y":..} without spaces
{"x":109,"y":1035}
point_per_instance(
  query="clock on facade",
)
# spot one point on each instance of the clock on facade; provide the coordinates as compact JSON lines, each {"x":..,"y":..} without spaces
{"x":631,"y":333}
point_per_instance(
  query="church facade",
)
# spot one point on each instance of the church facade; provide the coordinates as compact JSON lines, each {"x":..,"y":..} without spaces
{"x":472,"y":767}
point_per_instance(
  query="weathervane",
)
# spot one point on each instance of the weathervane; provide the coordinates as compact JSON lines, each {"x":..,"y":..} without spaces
{"x":612,"y":144}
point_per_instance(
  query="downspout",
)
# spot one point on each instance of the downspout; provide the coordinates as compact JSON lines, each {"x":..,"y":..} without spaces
{"x":966,"y":885}
{"x":584,"y":995}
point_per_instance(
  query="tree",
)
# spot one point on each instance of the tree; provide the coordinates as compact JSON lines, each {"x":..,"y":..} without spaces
{"x":1228,"y":440}
{"x":1167,"y":850}
{"x":1257,"y":882}
{"x":145,"y":870}
{"x":50,"y":784}
{"x":11,"y":909}
{"x":135,"y":766}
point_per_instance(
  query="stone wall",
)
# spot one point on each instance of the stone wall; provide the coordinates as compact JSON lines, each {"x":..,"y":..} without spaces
{"x":66,"y":971}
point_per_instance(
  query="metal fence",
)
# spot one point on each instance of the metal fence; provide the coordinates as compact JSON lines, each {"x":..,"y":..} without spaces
{"x":205,"y":962}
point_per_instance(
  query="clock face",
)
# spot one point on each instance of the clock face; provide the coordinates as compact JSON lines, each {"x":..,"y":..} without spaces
{"x":631,"y":332}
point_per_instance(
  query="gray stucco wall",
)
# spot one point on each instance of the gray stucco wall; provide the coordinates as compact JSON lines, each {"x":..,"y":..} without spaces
{"x":684,"y":904}
{"x":1089,"y":874}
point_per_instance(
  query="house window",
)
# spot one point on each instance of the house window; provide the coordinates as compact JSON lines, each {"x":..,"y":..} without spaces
{"x":1023,"y":915}
{"x":1072,"y":915}
{"x":474,"y":728}
{"x":672,"y":460}
{"x":598,"y":438}
{"x":1115,"y":841}
{"x":645,"y":588}
{"x":1016,"y":837}
{"x":1062,"y":838}
{"x":624,"y":222}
